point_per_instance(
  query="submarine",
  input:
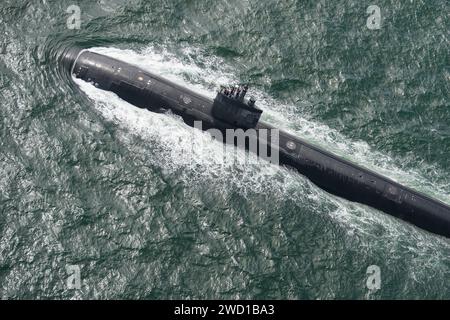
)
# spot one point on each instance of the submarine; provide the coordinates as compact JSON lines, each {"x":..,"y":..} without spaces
{"x":230,"y":110}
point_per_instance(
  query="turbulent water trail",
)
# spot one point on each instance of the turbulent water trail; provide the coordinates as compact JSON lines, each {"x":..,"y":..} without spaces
{"x":168,"y":133}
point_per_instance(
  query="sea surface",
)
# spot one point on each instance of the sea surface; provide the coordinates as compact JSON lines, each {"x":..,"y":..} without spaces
{"x":90,"y":183}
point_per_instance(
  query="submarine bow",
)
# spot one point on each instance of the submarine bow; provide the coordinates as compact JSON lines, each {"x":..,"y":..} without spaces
{"x":333,"y":174}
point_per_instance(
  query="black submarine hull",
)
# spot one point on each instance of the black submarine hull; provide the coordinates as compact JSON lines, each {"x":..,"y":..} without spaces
{"x":333,"y":174}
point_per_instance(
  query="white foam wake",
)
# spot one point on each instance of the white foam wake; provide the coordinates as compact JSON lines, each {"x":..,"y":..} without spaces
{"x":245,"y":174}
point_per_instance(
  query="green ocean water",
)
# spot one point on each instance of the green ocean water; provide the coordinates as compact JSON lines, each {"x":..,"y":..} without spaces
{"x":87,"y":180}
